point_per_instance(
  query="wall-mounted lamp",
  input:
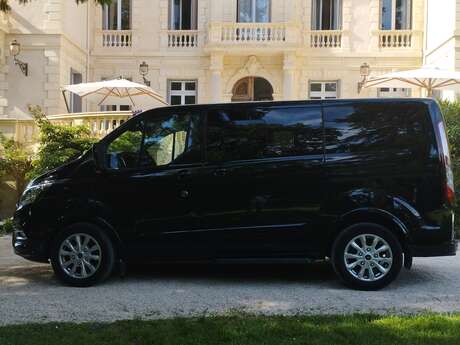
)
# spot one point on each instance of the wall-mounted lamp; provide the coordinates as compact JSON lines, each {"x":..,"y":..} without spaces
{"x":144,"y":70}
{"x":15,"y":49}
{"x":364,"y":71}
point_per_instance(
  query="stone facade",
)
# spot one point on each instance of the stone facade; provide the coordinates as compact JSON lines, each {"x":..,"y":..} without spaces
{"x":59,"y":38}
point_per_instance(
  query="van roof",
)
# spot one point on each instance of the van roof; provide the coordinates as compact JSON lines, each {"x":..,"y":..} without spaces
{"x":426,"y":101}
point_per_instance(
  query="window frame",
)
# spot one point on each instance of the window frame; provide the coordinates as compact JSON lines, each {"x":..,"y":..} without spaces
{"x":105,"y":16}
{"x":253,"y":9}
{"x":394,"y":92}
{"x":74,"y":98}
{"x":193,"y":16}
{"x":393,"y":15}
{"x":323,"y":89}
{"x":317,"y":23}
{"x":183,"y":93}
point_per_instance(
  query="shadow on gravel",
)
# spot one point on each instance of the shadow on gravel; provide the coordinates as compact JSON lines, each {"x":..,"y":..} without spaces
{"x":259,"y":273}
{"x":312,"y":274}
{"x":17,"y":275}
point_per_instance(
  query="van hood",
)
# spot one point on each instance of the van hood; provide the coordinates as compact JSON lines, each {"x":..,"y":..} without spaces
{"x":62,"y":172}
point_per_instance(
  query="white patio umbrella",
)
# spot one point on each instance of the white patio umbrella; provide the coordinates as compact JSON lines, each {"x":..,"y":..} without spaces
{"x":117,"y":92}
{"x":428,"y":77}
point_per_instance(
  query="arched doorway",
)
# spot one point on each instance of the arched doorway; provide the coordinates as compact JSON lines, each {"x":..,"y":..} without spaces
{"x":252,"y":89}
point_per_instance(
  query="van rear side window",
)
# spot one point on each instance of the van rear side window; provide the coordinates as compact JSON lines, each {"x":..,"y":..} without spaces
{"x":258,"y":133}
{"x":377,"y":127}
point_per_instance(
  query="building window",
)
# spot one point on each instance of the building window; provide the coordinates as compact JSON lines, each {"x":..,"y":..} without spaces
{"x":324,"y":89}
{"x":395,"y":14}
{"x":253,"y":11}
{"x":182,"y":92}
{"x":392,"y":92}
{"x":75,"y":100}
{"x":327,"y":14}
{"x":183,"y":14}
{"x":117,"y":15}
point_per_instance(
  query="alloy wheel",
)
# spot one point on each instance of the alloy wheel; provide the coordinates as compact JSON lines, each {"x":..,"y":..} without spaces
{"x":80,"y":256}
{"x":368,"y":257}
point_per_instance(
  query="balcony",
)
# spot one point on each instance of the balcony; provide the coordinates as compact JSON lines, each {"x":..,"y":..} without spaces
{"x":324,"y":38}
{"x":400,"y":39}
{"x":115,"y":39}
{"x":257,"y":35}
{"x":182,"y":39}
{"x":99,"y":123}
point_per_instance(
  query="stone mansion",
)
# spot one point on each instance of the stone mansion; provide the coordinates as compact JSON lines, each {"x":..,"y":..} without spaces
{"x":197,"y":51}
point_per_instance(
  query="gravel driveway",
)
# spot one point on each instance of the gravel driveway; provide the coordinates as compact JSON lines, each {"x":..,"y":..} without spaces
{"x":30,"y":293}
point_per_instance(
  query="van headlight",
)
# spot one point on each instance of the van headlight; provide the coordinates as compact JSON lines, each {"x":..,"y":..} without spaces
{"x":32,"y":193}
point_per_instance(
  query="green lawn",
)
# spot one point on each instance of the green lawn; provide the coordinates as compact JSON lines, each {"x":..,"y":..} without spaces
{"x":353,"y":330}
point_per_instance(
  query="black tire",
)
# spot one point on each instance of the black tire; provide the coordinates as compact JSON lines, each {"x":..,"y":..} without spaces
{"x":107,"y":255}
{"x":338,"y":256}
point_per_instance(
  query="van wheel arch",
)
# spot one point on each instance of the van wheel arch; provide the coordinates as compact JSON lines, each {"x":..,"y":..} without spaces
{"x":104,"y":226}
{"x":389,"y":221}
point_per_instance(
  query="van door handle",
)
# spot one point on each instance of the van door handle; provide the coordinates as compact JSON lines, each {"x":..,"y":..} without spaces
{"x":184,"y":194}
{"x":220,"y":172}
{"x":183,"y":174}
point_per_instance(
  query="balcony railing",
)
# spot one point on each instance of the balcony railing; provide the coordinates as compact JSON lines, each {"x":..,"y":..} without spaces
{"x":231,"y":33}
{"x":99,"y":123}
{"x":183,"y":38}
{"x":325,"y":38}
{"x":253,"y":32}
{"x":398,"y":39}
{"x":116,"y":38}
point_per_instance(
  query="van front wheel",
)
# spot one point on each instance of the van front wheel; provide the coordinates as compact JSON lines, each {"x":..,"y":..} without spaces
{"x":367,"y":256}
{"x":82,"y":255}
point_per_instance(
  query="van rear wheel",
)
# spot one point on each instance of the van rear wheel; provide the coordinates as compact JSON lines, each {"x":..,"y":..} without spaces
{"x":82,"y":255}
{"x":367,"y":256}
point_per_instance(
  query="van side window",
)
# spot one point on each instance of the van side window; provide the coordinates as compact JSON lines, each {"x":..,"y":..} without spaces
{"x":157,"y":141}
{"x":375,"y":127}
{"x":123,"y":151}
{"x":257,"y":133}
{"x":174,"y":138}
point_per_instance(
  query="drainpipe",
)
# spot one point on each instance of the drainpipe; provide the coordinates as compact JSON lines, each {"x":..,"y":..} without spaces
{"x":88,"y":18}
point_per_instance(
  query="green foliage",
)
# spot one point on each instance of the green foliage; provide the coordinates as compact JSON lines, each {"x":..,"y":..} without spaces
{"x":6,"y":227}
{"x":58,"y":144}
{"x":247,"y":330}
{"x":15,"y":162}
{"x":5,"y":4}
{"x":451,"y":112}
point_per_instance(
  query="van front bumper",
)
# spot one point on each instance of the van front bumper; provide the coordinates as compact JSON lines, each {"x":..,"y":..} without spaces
{"x":24,"y":243}
{"x":33,"y":250}
{"x":445,"y":249}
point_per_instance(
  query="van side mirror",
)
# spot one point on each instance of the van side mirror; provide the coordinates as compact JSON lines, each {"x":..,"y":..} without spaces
{"x":98,"y":157}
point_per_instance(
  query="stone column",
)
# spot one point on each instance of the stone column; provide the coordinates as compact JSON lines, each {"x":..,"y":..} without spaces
{"x":289,"y":67}
{"x":216,"y":67}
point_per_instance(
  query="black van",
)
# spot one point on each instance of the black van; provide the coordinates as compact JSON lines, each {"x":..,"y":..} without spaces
{"x":367,"y":183}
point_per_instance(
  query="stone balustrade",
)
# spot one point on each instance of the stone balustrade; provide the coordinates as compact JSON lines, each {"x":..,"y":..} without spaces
{"x":262,"y":34}
{"x":399,"y":39}
{"x":324,"y":38}
{"x":100,"y":123}
{"x":23,"y":131}
{"x":183,"y":38}
{"x":115,"y":38}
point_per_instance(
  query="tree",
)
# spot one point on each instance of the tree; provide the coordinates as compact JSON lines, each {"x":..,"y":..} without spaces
{"x":4,"y":4}
{"x":58,"y":144}
{"x":15,"y":162}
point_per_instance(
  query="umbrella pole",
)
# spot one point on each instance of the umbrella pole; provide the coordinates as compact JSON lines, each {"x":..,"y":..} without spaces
{"x":65,"y":100}
{"x":430,"y":92}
